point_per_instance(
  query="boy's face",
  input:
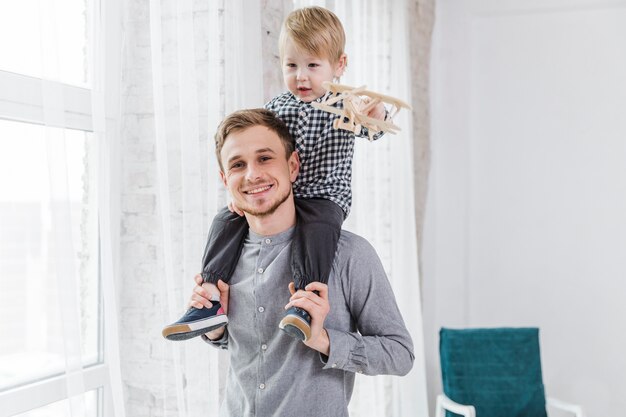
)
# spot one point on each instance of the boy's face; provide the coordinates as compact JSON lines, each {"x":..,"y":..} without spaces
{"x":304,"y":73}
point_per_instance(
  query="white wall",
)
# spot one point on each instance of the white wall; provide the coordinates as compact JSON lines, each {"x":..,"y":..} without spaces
{"x":526,"y":216}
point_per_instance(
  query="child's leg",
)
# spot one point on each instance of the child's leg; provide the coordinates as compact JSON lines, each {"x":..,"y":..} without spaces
{"x":221,"y":254}
{"x":223,"y":246}
{"x":318,"y":226}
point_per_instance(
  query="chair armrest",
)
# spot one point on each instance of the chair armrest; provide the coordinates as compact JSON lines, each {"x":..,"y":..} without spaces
{"x":445,"y":403}
{"x":562,"y":405}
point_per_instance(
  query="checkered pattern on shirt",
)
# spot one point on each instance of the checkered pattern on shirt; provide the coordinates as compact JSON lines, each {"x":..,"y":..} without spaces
{"x":325,"y":153}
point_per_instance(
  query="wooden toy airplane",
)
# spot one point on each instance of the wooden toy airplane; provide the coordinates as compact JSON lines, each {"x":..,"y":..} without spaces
{"x":357,"y":102}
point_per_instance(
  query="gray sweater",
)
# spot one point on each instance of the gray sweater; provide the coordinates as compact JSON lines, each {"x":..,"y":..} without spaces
{"x":272,"y":374}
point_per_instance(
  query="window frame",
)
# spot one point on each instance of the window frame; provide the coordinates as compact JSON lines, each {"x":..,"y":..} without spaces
{"x":21,"y":100}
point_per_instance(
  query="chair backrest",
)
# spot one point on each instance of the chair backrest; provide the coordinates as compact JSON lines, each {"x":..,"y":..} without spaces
{"x":496,"y":370}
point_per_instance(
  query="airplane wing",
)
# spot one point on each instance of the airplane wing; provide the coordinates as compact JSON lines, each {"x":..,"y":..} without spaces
{"x":361,"y":91}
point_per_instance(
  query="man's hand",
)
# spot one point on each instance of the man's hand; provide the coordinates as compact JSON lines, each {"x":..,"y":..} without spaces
{"x":314,"y":299}
{"x":234,"y":209}
{"x":201,"y":298}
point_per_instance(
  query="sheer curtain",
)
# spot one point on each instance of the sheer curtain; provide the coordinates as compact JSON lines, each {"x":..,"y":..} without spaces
{"x":59,"y":354}
{"x":180,"y":152}
{"x":383,"y":209}
{"x":203,"y":61}
{"x":199,"y":70}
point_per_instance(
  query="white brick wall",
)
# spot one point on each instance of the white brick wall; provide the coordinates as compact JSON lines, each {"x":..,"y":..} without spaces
{"x":147,"y":366}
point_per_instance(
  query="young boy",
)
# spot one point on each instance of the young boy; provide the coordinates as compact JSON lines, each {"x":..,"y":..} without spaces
{"x":311,"y":44}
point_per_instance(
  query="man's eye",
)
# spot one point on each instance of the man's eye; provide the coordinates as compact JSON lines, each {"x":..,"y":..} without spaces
{"x":265,"y":158}
{"x":236,"y":165}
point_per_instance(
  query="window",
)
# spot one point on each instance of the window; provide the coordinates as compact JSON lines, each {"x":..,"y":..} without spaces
{"x":50,"y":299}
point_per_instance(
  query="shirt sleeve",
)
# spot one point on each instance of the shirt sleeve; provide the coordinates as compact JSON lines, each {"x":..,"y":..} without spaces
{"x":365,"y":134}
{"x":221,"y":343}
{"x":382,"y":343}
{"x":365,"y":131}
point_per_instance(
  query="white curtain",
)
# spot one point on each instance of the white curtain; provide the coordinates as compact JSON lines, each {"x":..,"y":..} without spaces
{"x":383,"y":208}
{"x":383,"y":191}
{"x":205,"y":61}
{"x":104,"y":57}
{"x":200,"y":60}
{"x":186,"y":369}
{"x":85,"y":217}
{"x":55,"y":253}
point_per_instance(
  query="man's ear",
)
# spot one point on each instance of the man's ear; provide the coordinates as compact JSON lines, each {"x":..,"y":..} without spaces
{"x":341,"y":65}
{"x":223,"y":178}
{"x":294,"y":166}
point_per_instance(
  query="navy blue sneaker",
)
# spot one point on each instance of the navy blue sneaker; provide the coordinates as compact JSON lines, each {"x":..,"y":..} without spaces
{"x":296,"y":323}
{"x":196,"y":322}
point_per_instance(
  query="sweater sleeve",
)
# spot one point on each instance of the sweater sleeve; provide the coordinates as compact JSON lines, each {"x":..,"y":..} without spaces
{"x":382,"y":343}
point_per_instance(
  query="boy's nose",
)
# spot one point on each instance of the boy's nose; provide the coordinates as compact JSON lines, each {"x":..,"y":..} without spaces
{"x":301,"y":75}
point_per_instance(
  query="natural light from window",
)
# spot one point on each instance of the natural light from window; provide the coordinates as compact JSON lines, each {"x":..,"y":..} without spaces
{"x":33,"y":343}
{"x":40,"y":38}
{"x":63,"y":408}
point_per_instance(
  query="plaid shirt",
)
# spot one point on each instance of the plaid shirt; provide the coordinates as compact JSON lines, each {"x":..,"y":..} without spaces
{"x":325,"y":153}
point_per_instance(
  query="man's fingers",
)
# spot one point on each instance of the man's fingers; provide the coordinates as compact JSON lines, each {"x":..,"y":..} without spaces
{"x":201,"y":291}
{"x":223,"y":287}
{"x":198,"y":279}
{"x":198,"y":301}
{"x":322,"y":289}
{"x":315,"y":295}
{"x":292,"y":288}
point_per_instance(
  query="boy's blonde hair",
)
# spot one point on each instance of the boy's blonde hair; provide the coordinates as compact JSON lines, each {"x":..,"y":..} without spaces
{"x":315,"y":30}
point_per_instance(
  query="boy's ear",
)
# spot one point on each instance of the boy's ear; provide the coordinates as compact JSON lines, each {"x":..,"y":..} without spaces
{"x":342,"y":63}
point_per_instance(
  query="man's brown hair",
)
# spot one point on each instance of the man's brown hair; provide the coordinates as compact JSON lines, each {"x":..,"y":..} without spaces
{"x":244,"y":119}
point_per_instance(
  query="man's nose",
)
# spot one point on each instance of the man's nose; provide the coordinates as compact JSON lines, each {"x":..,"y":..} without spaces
{"x":253,"y":172}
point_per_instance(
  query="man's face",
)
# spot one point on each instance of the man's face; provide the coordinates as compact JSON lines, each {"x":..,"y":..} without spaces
{"x":304,"y":73}
{"x":256,"y":171}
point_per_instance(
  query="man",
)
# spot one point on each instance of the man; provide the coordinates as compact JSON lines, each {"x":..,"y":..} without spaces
{"x":355,"y":322}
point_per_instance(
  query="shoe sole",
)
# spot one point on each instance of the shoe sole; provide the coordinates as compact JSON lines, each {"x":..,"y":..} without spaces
{"x":296,"y":327}
{"x":185,"y":331}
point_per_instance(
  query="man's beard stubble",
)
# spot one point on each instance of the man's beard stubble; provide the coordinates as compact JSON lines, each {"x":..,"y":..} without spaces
{"x":269,"y":211}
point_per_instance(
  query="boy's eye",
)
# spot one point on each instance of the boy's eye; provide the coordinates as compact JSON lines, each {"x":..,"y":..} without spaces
{"x":314,"y":64}
{"x":290,"y":65}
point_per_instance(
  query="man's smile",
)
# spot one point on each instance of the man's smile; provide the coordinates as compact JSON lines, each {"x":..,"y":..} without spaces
{"x":257,"y":190}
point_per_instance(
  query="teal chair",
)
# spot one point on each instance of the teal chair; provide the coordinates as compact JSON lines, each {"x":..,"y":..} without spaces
{"x":493,"y":373}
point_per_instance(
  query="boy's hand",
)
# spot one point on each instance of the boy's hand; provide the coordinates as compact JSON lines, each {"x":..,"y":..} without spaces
{"x":314,"y":299}
{"x":378,"y":112}
{"x":234,"y":209}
